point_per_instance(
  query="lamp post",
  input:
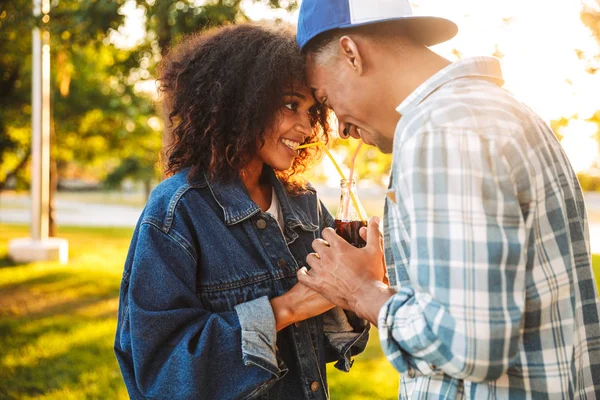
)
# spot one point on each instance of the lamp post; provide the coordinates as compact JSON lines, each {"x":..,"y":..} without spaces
{"x":40,"y":247}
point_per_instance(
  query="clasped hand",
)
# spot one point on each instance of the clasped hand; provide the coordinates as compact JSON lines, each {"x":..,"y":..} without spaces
{"x":340,"y":271}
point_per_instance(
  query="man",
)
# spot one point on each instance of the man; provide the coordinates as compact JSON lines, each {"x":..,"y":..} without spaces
{"x":486,"y":241}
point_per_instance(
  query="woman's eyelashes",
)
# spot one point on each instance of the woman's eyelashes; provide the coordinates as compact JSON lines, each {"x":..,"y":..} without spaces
{"x":292,"y":105}
{"x":314,"y":111}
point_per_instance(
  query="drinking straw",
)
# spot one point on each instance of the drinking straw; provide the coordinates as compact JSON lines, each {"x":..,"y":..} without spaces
{"x":360,"y":143}
{"x":339,"y":170}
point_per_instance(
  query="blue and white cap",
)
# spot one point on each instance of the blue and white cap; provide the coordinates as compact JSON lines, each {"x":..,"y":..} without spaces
{"x":318,"y":16}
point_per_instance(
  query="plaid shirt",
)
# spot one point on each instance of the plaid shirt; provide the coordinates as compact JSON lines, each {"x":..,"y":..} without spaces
{"x":487,"y":245}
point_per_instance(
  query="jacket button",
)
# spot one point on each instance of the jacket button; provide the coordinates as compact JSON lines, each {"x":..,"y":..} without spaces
{"x":281,"y":263}
{"x":297,"y":324}
{"x":315,"y":386}
{"x":261,"y":224}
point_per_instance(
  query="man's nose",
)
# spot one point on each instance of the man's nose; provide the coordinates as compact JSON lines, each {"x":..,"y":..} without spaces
{"x":344,"y":130}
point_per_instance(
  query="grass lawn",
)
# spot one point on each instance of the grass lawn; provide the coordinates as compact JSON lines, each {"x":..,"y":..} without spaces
{"x":57,"y":326}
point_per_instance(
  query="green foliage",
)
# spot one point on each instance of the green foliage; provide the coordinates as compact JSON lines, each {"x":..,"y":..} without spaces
{"x":370,"y":162}
{"x":15,"y":113}
{"x":102,"y":113}
{"x":589,"y":182}
{"x":169,"y":20}
{"x":80,"y":69}
{"x":591,"y":19}
{"x":106,"y":123}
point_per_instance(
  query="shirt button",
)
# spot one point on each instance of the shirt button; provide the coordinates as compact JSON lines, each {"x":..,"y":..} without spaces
{"x":315,"y":386}
{"x":261,"y":224}
{"x":281,"y":263}
{"x":410,"y":372}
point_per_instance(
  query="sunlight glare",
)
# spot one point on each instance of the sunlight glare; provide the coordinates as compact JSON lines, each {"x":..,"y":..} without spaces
{"x":580,"y":143}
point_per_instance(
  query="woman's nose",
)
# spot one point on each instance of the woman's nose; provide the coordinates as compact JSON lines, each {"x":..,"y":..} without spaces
{"x":303,"y":126}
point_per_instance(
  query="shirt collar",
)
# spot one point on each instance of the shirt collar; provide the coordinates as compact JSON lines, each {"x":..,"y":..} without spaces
{"x":237,"y":206}
{"x":479,"y":67}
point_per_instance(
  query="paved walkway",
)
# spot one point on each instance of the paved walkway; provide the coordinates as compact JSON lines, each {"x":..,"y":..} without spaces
{"x":16,"y":209}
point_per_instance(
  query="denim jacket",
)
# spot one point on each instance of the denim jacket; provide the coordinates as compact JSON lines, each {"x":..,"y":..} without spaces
{"x":195,"y":321}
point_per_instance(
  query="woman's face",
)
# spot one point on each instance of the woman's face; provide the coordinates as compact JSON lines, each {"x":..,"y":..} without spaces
{"x":290,"y":129}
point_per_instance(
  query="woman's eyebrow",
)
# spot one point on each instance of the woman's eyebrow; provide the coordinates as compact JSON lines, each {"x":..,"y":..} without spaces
{"x":296,"y":94}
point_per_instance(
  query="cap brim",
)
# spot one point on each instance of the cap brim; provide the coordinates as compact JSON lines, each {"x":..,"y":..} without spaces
{"x":428,"y":31}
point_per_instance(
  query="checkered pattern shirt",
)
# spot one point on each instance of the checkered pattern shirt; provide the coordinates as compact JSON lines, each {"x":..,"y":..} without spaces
{"x":487,"y":245}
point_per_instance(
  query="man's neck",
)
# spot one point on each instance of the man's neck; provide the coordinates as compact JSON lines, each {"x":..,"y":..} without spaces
{"x":411,"y":68}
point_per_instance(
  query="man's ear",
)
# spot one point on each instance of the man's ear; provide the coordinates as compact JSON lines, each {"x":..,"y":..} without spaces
{"x":350,"y":54}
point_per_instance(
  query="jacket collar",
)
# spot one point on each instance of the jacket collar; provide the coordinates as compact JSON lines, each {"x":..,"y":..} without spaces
{"x":237,"y":206}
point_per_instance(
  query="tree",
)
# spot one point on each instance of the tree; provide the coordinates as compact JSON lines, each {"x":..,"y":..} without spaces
{"x":591,"y":18}
{"x":74,"y":25}
{"x":106,"y":125}
{"x":102,"y":117}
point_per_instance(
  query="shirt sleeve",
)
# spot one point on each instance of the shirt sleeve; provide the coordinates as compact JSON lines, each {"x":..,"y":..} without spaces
{"x":178,"y":347}
{"x":461,"y":313}
{"x":346,"y":335}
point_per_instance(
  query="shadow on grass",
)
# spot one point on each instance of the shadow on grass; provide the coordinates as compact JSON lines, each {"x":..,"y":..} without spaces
{"x":66,"y":307}
{"x":6,"y":262}
{"x":47,"y":278}
{"x":61,"y":348}
{"x":65,"y":372}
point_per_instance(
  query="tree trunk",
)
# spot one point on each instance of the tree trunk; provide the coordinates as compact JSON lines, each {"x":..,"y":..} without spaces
{"x":52,"y":229}
{"x":52,"y":226}
{"x":147,"y":188}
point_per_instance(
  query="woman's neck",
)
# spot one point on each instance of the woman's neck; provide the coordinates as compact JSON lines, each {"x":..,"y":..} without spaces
{"x":260,"y":192}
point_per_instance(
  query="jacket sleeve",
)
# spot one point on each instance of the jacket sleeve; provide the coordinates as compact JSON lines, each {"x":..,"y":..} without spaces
{"x":178,"y":348}
{"x":346,"y":335}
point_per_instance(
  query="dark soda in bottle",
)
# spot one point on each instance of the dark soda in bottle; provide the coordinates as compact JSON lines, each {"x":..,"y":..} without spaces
{"x":349,"y":230}
{"x":348,"y":219}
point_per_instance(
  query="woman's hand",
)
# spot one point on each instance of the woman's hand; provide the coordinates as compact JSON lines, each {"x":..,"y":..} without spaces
{"x":300,"y":303}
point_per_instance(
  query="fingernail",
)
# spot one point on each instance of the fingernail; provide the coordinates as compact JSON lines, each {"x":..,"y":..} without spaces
{"x":375,"y":219}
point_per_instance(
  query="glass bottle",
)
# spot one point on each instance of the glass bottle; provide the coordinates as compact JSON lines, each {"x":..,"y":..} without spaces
{"x":349,"y":220}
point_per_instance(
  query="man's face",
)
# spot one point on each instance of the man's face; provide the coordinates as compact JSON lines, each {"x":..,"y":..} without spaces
{"x":352,"y":99}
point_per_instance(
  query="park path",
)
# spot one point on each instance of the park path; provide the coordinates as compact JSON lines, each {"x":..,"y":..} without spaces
{"x":15,"y":208}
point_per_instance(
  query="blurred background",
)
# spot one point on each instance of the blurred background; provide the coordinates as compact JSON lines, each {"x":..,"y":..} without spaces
{"x":57,"y":321}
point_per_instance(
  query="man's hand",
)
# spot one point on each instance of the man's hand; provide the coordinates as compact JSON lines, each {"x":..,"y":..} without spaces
{"x":349,"y":277}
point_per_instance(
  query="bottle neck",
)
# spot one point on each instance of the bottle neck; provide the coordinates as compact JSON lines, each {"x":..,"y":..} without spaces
{"x":345,"y":184}
{"x":347,"y":210}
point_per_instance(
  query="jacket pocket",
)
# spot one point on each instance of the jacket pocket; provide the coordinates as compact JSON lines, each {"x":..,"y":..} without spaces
{"x":225,"y":296}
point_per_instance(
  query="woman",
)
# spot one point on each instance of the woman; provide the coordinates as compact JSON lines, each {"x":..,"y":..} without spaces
{"x":210,"y":305}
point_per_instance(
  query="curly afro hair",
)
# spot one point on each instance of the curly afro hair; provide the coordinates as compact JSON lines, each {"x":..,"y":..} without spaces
{"x":222,"y":89}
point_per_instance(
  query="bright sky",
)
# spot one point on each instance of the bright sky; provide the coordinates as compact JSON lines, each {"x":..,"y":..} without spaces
{"x":538,"y":42}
